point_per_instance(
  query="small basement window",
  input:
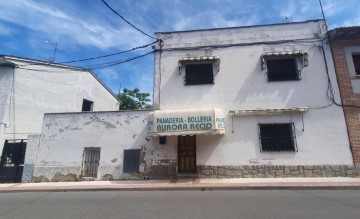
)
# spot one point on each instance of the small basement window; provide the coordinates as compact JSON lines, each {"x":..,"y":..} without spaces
{"x":87,"y":105}
{"x":277,"y":137}
{"x":162,"y":140}
{"x":356,"y":60}
{"x":131,"y":161}
{"x":196,"y":74}
{"x":282,"y":69}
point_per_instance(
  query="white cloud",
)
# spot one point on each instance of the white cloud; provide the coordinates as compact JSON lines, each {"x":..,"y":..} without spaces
{"x":55,"y":23}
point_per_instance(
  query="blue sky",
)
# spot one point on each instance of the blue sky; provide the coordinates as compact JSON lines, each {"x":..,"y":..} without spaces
{"x":87,"y":28}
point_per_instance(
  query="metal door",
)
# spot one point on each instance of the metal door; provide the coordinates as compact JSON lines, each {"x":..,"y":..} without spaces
{"x":187,"y":154}
{"x":91,"y":158}
{"x":131,"y":161}
{"x":12,"y":161}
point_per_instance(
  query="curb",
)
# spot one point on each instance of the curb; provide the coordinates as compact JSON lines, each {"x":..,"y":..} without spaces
{"x":187,"y":188}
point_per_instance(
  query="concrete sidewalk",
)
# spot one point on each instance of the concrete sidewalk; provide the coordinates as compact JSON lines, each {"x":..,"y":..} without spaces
{"x":198,"y":184}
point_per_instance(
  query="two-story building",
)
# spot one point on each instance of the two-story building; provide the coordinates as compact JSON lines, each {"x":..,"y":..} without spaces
{"x":28,"y":89}
{"x":250,"y":102}
{"x":254,"y":101}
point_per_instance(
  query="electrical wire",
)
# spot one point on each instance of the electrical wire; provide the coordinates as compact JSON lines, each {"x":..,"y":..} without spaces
{"x":97,"y":57}
{"x":112,"y":54}
{"x":111,"y":64}
{"x":113,"y":10}
{"x":90,"y":67}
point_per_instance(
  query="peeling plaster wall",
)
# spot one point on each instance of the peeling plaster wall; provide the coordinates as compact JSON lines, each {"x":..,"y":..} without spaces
{"x":64,"y":137}
{"x":242,"y":84}
{"x":32,"y":148}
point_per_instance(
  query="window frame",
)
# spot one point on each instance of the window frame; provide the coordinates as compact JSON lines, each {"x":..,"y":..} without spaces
{"x":91,"y":106}
{"x":198,"y":82}
{"x":292,"y":136}
{"x":296,"y":76}
{"x":349,"y":52}
{"x":357,"y":73}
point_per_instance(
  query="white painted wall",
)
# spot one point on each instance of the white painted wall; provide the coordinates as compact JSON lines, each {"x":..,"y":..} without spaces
{"x":5,"y":90}
{"x":64,"y":137}
{"x":43,"y":88}
{"x":242,"y":84}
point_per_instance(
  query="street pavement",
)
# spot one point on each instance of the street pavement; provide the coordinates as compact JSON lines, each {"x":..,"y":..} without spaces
{"x":189,"y":184}
{"x":294,"y":204}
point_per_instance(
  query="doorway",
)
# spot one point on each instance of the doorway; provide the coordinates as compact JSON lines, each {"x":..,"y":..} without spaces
{"x":91,"y":159}
{"x":187,"y":154}
{"x":12,"y":161}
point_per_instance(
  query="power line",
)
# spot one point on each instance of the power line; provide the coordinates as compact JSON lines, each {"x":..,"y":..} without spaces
{"x":90,"y":67}
{"x":97,"y":57}
{"x":112,"y":54}
{"x":107,"y":5}
{"x":111,"y":64}
{"x":322,"y":11}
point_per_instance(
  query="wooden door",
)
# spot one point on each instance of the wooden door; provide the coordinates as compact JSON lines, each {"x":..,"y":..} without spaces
{"x":187,"y":154}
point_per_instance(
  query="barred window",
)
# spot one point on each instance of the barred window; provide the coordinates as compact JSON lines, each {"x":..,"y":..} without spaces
{"x":282,"y":69}
{"x":277,"y":137}
{"x":199,"y":74}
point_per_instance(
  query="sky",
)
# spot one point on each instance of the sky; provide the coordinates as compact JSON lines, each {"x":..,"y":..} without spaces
{"x":84,"y":29}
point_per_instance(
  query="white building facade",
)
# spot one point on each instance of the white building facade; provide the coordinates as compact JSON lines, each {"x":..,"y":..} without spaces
{"x":30,"y":88}
{"x":271,"y":83}
{"x":231,"y":102}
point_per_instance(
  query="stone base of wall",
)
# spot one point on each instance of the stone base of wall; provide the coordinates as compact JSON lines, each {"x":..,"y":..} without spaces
{"x":247,"y":171}
{"x":162,"y":172}
{"x":279,"y":171}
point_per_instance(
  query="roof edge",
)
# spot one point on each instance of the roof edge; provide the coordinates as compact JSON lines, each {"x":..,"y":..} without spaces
{"x":9,"y":58}
{"x":237,"y":27}
{"x":40,"y":62}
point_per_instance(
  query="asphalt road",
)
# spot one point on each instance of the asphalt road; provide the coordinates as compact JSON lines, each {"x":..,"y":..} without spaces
{"x":183,"y":204}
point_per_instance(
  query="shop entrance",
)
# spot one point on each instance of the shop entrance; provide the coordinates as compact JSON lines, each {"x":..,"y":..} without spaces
{"x":187,"y":154}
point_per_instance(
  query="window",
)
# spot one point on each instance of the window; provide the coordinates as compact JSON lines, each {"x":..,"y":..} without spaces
{"x":131,"y":161}
{"x":356,"y":60}
{"x":282,"y":69}
{"x":162,"y":140}
{"x":87,"y":105}
{"x":91,"y":160}
{"x":199,"y":74}
{"x":277,"y":137}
